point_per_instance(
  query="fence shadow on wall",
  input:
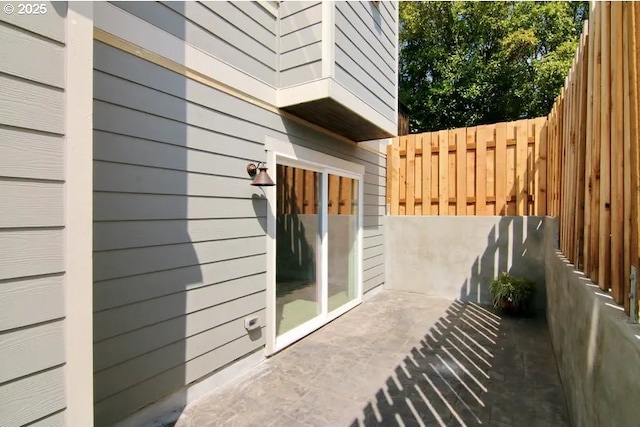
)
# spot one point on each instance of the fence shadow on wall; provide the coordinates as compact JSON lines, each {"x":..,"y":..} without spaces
{"x":514,"y":246}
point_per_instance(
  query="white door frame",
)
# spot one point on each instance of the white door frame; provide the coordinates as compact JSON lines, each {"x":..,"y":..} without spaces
{"x":285,"y":152}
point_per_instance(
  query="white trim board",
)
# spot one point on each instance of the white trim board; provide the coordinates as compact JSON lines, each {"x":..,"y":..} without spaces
{"x":304,"y":92}
{"x":287,"y":149}
{"x":271,"y":193}
{"x":328,"y":39}
{"x":78,"y":253}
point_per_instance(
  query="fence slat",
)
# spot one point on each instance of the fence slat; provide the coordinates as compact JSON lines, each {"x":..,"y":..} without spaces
{"x":521,"y":166}
{"x":594,"y":256}
{"x":451,"y":175}
{"x":402,"y":209}
{"x":617,"y":160}
{"x":604,"y":276}
{"x":443,"y":172}
{"x":461,"y":171}
{"x":411,"y":174}
{"x":590,"y":68}
{"x":426,"y":173}
{"x":633,"y":54}
{"x":417,"y":179}
{"x":540,"y":166}
{"x":394,"y":170}
{"x":627,"y":95}
{"x":581,"y":150}
{"x":501,"y":169}
{"x":471,"y":168}
{"x":560,"y":182}
{"x":573,"y":112}
{"x":435,"y":176}
{"x":481,"y":170}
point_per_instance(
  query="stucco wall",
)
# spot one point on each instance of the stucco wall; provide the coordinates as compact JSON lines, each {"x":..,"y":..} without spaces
{"x":458,"y":256}
{"x":597,"y":349}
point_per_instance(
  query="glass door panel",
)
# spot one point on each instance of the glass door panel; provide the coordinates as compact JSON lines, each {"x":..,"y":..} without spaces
{"x":342,"y":224}
{"x":297,"y":247}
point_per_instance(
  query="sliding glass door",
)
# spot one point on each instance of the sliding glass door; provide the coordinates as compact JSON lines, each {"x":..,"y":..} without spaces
{"x":317,"y":246}
{"x":342,"y":228}
{"x":297,"y":247}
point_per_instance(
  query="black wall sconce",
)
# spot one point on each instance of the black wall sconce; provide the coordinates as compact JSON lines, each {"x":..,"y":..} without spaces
{"x":262,"y":178}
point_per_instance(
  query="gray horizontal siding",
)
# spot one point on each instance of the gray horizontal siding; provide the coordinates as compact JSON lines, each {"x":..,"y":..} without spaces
{"x":375,"y":20}
{"x":136,"y":370}
{"x":30,"y":252}
{"x":304,"y":55}
{"x":155,"y":336}
{"x":365,"y":53}
{"x":56,"y":420}
{"x":258,"y":13}
{"x":372,"y":240}
{"x":16,"y":41}
{"x":301,"y":74}
{"x":27,"y":105}
{"x":370,"y":260}
{"x":127,"y":207}
{"x":179,"y":234}
{"x":30,"y":398}
{"x":373,"y":282}
{"x":113,"y":322}
{"x":130,"y":290}
{"x":221,"y":126}
{"x":31,"y":204}
{"x":28,"y":154}
{"x":113,"y":264}
{"x":49,"y":25}
{"x":300,"y":58}
{"x":145,"y":179}
{"x":32,"y":112}
{"x":19,"y":297}
{"x":110,"y":409}
{"x":244,"y":16}
{"x":136,"y":234}
{"x":43,"y":343}
{"x":362,"y":55}
{"x":303,"y":37}
{"x":227,"y":33}
{"x":296,"y":15}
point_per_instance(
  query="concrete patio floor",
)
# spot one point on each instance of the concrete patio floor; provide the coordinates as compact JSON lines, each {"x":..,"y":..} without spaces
{"x":400,"y":359}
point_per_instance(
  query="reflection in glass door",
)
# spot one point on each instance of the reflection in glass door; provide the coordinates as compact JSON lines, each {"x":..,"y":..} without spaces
{"x":297,"y":247}
{"x":342,"y":224}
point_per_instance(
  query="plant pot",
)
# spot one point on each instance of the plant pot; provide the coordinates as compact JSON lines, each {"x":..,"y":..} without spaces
{"x":508,"y":307}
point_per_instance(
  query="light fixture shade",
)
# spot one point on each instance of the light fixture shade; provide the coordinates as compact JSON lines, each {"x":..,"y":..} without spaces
{"x":262,"y":178}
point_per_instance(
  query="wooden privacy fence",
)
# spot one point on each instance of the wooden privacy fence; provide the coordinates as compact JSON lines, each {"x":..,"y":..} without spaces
{"x":593,"y":161}
{"x":580,"y":164}
{"x":298,"y":192}
{"x":496,"y":169}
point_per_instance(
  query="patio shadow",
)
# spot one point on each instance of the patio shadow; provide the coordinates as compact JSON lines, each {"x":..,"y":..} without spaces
{"x":473,"y":367}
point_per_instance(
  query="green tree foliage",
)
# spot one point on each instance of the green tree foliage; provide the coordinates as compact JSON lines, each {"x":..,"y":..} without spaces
{"x":470,"y":63}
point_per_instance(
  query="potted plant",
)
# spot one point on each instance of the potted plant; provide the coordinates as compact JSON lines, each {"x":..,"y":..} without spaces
{"x":511,"y":294}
